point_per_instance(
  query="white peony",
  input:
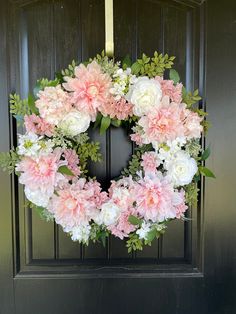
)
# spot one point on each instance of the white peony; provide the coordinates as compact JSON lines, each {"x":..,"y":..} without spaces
{"x":145,"y":94}
{"x":109,"y":213}
{"x":37,"y":197}
{"x":81,"y":233}
{"x":181,"y":168}
{"x":74,"y":123}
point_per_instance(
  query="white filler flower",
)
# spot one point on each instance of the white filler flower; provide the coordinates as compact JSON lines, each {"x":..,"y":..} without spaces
{"x":74,"y":123}
{"x":29,"y":144}
{"x":181,"y":168}
{"x":143,"y":231}
{"x":145,"y":94}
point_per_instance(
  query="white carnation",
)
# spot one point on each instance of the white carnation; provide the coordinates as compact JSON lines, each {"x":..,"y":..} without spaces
{"x":145,"y":94}
{"x":37,"y":197}
{"x":81,"y":233}
{"x":181,"y":168}
{"x":109,"y":213}
{"x":74,"y":123}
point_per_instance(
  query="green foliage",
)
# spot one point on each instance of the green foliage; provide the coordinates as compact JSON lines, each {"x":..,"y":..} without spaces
{"x":134,"y":165}
{"x":108,"y":65}
{"x":105,"y":123}
{"x":206,"y":153}
{"x":190,"y":98}
{"x":126,"y":62}
{"x":193,"y":148}
{"x":42,"y":212}
{"x":206,"y":125}
{"x":191,"y":194}
{"x":134,"y":220}
{"x":69,"y":71}
{"x":134,"y":243}
{"x":174,"y":76}
{"x":98,"y":234}
{"x":65,"y":170}
{"x":42,"y":83}
{"x":206,"y":172}
{"x":152,"y":66}
{"x":9,"y":160}
{"x":21,"y":107}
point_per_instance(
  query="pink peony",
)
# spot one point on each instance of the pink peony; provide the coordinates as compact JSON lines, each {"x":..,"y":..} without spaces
{"x":41,"y":173}
{"x":123,"y":227}
{"x":76,"y":204}
{"x":169,"y":89}
{"x":155,"y":199}
{"x":120,"y":109}
{"x":90,"y":88}
{"x":163,"y":124}
{"x":37,"y":125}
{"x":53,"y":104}
{"x":150,"y":162}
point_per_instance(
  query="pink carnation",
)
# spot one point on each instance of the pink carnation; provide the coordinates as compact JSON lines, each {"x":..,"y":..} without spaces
{"x":37,"y":125}
{"x":40,"y":173}
{"x":53,"y":104}
{"x":73,"y":161}
{"x":169,"y":89}
{"x":120,"y":109}
{"x":163,"y":124}
{"x":123,"y":227}
{"x":90,"y":88}
{"x":192,"y":124}
{"x":155,"y":199}
{"x":76,"y":204}
{"x":150,"y":162}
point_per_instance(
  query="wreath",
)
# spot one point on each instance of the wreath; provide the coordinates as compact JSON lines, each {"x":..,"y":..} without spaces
{"x":162,"y":176}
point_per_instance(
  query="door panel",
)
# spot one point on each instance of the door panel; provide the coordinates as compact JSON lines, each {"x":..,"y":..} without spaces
{"x":46,"y":271}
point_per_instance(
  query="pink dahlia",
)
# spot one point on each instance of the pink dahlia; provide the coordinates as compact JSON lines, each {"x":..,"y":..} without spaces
{"x":40,"y":173}
{"x":73,"y":161}
{"x":37,"y":125}
{"x":163,"y":124}
{"x":169,"y":89}
{"x":53,"y":104}
{"x":155,"y":199}
{"x":120,"y":109}
{"x":123,"y":227}
{"x":90,"y":88}
{"x":150,"y":162}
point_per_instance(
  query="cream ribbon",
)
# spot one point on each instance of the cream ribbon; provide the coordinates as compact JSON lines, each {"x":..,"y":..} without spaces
{"x":109,"y":32}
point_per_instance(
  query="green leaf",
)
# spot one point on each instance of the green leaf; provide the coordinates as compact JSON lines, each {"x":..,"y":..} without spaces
{"x":134,"y":220}
{"x":206,"y":153}
{"x":105,"y":123}
{"x":206,"y":172}
{"x":151,"y":235}
{"x":126,"y":63}
{"x":65,"y":170}
{"x":174,"y":76}
{"x":31,"y":104}
{"x":136,"y":67}
{"x":116,"y":122}
{"x":98,"y":120}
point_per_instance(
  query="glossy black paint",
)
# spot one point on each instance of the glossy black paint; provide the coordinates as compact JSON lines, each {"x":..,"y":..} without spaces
{"x":190,"y":270}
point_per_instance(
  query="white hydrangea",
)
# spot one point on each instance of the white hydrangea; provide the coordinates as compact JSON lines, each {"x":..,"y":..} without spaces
{"x":122,"y":80}
{"x":81,"y":233}
{"x":171,"y":149}
{"x":109,"y":213}
{"x":38,"y":197}
{"x":145,"y":94}
{"x":181,"y":168}
{"x":29,"y":144}
{"x":143,"y":231}
{"x":74,"y":123}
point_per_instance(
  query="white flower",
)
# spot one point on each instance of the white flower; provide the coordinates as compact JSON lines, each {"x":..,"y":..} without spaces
{"x":181,"y":168}
{"x":81,"y":233}
{"x":74,"y":123}
{"x":143,"y":231}
{"x":145,"y":94}
{"x":37,"y":197}
{"x":29,"y":144}
{"x":46,"y":147}
{"x":109,"y":213}
{"x":122,"y":79}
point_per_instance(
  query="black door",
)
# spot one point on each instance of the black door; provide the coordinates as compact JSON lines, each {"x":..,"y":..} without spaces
{"x":191,"y":270}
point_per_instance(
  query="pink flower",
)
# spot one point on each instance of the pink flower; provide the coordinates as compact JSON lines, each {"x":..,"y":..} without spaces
{"x":192,"y":124}
{"x":155,"y":199}
{"x":120,"y":109}
{"x":76,"y":204}
{"x":123,"y":226}
{"x":90,"y":88}
{"x":53,"y":104}
{"x":73,"y":161}
{"x":137,"y":138}
{"x":163,"y":124}
{"x":150,"y":162}
{"x":40,"y":173}
{"x":181,"y":207}
{"x":36,"y":124}
{"x":171,"y":90}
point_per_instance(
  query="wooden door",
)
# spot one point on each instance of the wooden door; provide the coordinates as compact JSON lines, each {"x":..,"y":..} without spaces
{"x":192,"y":268}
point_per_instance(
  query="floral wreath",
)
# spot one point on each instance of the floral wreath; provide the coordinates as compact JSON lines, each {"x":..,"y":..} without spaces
{"x":160,"y":181}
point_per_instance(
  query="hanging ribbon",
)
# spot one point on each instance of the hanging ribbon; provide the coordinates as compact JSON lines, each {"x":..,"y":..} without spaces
{"x":109,"y":45}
